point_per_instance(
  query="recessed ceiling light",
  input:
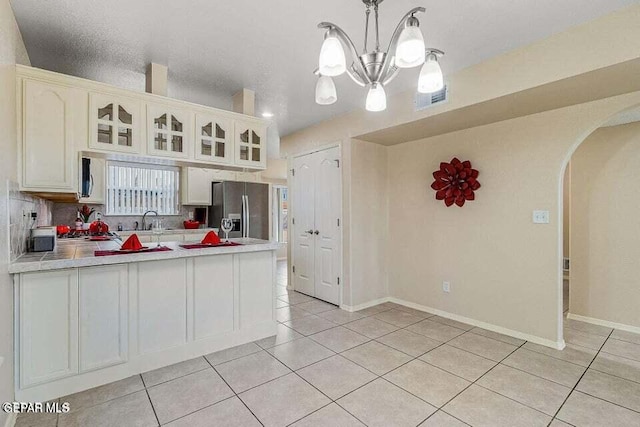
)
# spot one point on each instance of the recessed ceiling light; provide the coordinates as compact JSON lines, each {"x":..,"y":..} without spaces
{"x":267,"y":115}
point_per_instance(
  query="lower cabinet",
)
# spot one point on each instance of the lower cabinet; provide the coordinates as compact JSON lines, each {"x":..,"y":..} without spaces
{"x":103,"y":313}
{"x":48,"y":346}
{"x":162,"y":311}
{"x":83,"y":327}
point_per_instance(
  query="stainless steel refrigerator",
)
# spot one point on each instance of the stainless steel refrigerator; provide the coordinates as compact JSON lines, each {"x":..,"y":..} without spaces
{"x":245,"y":203}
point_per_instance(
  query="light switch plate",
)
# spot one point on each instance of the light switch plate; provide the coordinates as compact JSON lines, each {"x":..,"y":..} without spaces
{"x":541,"y":217}
{"x":446,"y":287}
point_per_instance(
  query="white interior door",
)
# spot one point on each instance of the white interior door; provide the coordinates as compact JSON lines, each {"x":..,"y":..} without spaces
{"x":328,"y":208}
{"x":303,"y":227}
{"x":317,"y":207}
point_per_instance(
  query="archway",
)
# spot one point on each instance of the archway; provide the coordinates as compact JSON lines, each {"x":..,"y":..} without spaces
{"x":615,"y":124}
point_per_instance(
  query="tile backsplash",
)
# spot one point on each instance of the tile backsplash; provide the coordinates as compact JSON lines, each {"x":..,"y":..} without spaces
{"x":21,"y":205}
{"x":65,"y":214}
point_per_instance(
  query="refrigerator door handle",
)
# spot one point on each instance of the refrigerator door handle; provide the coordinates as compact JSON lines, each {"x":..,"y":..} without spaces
{"x":247,"y":216}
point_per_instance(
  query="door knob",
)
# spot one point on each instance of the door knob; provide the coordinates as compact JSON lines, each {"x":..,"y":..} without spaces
{"x":309,"y":231}
{"x":316,"y":232}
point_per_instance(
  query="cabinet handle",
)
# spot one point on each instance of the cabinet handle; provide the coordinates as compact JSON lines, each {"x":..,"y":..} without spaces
{"x":309,"y":231}
{"x":316,"y":232}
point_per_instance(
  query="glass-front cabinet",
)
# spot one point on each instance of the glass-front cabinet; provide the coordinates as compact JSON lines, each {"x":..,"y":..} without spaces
{"x":251,"y":145}
{"x":168,"y":131}
{"x":115,"y":123}
{"x":214,"y":139}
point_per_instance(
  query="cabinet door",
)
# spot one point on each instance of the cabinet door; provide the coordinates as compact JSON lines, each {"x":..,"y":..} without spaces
{"x":162,"y":306}
{"x":98,"y":179}
{"x":169,"y":131}
{"x":103,"y":296}
{"x":214,"y":139}
{"x":250,"y":144}
{"x":256,"y":291}
{"x":196,"y":186}
{"x":212,"y":299}
{"x":48,"y":328}
{"x":48,"y":152}
{"x":115,"y":123}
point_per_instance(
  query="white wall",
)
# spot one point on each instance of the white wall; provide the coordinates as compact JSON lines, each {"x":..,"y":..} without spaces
{"x":605,"y":226}
{"x":12,"y":51}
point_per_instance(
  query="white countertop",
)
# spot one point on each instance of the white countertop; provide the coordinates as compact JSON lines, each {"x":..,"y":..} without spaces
{"x":75,"y":253}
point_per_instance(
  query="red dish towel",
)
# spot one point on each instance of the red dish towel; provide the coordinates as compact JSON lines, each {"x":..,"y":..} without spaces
{"x":132,"y":243}
{"x":128,"y":252}
{"x":211,"y":238}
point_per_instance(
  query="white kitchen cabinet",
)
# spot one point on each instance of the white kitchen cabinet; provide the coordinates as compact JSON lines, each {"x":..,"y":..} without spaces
{"x":115,"y":123}
{"x":213,"y":299}
{"x":169,"y":131}
{"x":214,"y":139}
{"x":196,"y":186}
{"x":50,"y":116}
{"x":103,"y":313}
{"x":162,"y":309}
{"x":170,"y":237}
{"x":251,"y":145}
{"x":48,"y":326}
{"x":256,"y":276}
{"x":97,"y":187}
{"x":248,"y":176}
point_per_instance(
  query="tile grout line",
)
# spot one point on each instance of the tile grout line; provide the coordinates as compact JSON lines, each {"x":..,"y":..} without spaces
{"x":232,"y":390}
{"x":149,"y":397}
{"x":580,"y":379}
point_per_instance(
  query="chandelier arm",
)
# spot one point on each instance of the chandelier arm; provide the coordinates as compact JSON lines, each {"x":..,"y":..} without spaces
{"x":347,"y":41}
{"x":394,"y":39}
{"x":392,"y":74}
{"x":356,"y":78}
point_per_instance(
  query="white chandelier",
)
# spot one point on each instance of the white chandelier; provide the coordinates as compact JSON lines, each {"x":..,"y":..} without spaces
{"x":376,"y":69}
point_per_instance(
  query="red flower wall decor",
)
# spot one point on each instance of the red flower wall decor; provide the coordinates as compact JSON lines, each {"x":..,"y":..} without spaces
{"x":455,"y":182}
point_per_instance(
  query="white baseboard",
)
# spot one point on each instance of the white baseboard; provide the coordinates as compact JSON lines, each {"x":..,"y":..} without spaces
{"x":352,"y":308}
{"x":11,"y":420}
{"x":559,"y":345}
{"x":606,"y":323}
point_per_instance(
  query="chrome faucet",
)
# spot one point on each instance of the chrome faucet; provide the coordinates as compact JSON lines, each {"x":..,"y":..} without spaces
{"x":144,"y":219}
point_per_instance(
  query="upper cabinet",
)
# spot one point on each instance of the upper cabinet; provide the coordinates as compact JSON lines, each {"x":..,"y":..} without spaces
{"x":61,"y":118}
{"x":251,"y":145}
{"x":168,"y":131}
{"x":49,"y":118}
{"x":214,"y":139}
{"x":115,"y":123}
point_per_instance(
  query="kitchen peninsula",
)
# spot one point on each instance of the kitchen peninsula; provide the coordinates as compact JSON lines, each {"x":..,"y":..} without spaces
{"x":83,"y":321}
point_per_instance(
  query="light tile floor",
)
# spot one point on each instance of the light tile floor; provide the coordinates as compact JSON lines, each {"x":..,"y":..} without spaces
{"x":384,"y":366}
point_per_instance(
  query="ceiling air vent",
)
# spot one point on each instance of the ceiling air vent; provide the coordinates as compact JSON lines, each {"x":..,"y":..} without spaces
{"x":426,"y":100}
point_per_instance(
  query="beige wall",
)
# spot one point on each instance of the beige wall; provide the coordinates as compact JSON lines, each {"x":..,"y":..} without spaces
{"x":605,"y":226}
{"x":368,"y":222}
{"x":12,"y":51}
{"x":503,"y":269}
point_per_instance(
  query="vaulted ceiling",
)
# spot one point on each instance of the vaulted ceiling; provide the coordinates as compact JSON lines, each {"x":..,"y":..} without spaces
{"x":215,"y":47}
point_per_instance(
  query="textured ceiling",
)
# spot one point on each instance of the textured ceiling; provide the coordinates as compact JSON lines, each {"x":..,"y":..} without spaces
{"x":215,"y":47}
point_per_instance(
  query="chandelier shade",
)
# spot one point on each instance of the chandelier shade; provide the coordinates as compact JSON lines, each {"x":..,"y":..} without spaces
{"x":332,"y":61}
{"x":410,"y":51}
{"x":376,"y":68}
{"x":326,"y":91}
{"x":376,"y":98}
{"x":431,"y":79}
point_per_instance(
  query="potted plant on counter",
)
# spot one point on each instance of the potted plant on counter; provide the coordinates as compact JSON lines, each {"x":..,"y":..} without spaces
{"x":85,"y":214}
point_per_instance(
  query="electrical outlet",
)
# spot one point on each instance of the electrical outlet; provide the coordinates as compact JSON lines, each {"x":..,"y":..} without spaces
{"x":446,"y":287}
{"x":34,"y":215}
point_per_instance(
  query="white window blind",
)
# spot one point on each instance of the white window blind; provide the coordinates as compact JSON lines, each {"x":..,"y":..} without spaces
{"x":133,"y":189}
